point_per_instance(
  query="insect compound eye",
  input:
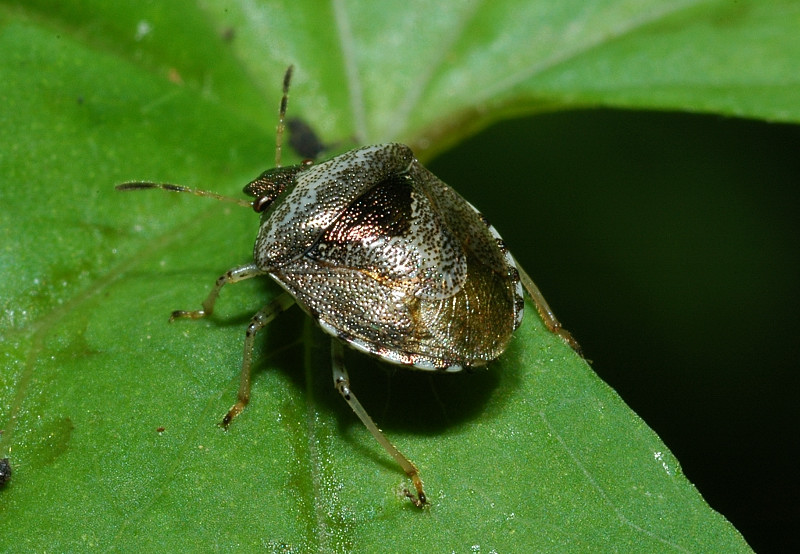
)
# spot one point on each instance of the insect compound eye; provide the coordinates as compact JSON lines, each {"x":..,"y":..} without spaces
{"x":262,"y":203}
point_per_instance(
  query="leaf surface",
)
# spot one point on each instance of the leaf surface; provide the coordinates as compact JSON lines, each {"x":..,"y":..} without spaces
{"x":535,"y":451}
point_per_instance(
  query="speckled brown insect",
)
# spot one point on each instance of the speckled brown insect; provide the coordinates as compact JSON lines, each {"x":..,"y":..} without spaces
{"x":387,"y":259}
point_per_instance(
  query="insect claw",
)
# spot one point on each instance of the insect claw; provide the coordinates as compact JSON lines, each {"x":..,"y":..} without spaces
{"x":235,"y":410}
{"x":420,"y":500}
{"x":188,"y":314}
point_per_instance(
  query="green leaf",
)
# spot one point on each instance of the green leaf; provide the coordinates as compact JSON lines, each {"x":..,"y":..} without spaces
{"x":535,"y":452}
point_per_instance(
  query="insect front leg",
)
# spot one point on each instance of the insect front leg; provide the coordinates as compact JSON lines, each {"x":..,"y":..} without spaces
{"x":546,"y":312}
{"x":258,"y":322}
{"x":231,"y":276}
{"x":342,"y":383}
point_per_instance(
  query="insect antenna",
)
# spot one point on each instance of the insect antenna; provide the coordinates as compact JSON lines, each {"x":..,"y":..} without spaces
{"x":141,"y":185}
{"x":287,"y":79}
{"x":180,"y":188}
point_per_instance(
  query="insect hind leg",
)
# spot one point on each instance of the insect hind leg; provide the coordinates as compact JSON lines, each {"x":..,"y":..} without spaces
{"x":341,"y":381}
{"x":546,"y":312}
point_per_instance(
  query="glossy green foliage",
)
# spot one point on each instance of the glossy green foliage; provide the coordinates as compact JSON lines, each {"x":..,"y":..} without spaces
{"x":535,"y":452}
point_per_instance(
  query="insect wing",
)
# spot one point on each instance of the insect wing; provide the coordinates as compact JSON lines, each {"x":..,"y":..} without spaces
{"x":408,"y":271}
{"x":479,"y":320}
{"x":320,"y":196}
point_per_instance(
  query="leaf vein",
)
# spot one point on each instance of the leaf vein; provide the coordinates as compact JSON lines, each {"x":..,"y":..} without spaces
{"x":593,"y":482}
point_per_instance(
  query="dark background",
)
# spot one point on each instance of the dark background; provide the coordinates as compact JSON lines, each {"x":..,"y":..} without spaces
{"x":668,"y":245}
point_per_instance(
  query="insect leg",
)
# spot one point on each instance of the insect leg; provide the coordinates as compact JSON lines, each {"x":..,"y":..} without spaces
{"x":258,"y":322}
{"x":231,"y":276}
{"x":546,"y":312}
{"x":342,"y":383}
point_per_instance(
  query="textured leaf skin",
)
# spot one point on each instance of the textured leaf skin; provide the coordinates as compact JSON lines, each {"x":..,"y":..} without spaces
{"x":535,"y":451}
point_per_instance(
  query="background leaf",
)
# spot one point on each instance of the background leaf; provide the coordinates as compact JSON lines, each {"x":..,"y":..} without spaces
{"x":536,"y":452}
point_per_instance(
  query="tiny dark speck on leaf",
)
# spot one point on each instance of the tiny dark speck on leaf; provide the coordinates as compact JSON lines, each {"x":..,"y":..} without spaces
{"x":5,"y":471}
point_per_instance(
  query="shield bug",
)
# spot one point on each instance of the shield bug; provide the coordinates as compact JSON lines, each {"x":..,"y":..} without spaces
{"x":387,"y":259}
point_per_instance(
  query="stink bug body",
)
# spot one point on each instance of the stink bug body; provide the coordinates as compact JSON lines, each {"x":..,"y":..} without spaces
{"x":387,"y":259}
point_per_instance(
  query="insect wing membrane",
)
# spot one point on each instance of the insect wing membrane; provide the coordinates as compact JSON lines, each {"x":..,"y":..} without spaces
{"x":320,"y":196}
{"x":481,"y":317}
{"x":409,"y":271}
